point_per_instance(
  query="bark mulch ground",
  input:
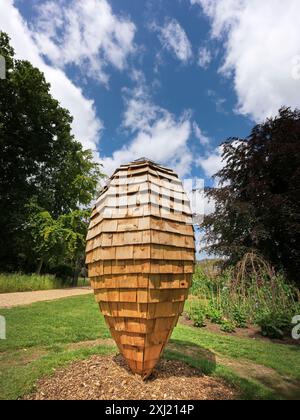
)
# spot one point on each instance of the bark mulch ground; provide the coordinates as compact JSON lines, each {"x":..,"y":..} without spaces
{"x":108,"y":378}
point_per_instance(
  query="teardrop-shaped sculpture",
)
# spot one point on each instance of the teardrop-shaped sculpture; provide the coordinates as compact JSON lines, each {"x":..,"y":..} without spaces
{"x":140,"y":256}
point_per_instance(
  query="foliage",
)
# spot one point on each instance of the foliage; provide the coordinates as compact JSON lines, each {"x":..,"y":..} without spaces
{"x":239,"y":316}
{"x":214,"y":314}
{"x":39,"y":158}
{"x":245,"y":296}
{"x":227,"y":326}
{"x":61,"y":240}
{"x":197,"y":315}
{"x":17,"y":282}
{"x":275,"y":324}
{"x":257,"y":201}
{"x":64,"y":272}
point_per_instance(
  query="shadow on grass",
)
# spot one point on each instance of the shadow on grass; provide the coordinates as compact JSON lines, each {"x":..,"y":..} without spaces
{"x":205,"y":360}
{"x":201,"y":358}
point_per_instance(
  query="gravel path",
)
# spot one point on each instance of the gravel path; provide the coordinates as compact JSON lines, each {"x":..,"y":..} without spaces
{"x":10,"y":300}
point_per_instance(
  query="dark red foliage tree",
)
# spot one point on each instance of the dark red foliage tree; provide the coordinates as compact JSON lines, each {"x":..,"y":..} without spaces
{"x":258,"y":198}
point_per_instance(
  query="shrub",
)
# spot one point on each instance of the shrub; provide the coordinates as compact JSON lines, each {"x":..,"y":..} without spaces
{"x":214,"y":315}
{"x":198,"y":317}
{"x":275,"y":324}
{"x":239,"y":317}
{"x":63,"y":272}
{"x":199,"y":282}
{"x":197,"y":314}
{"x":227,"y":326}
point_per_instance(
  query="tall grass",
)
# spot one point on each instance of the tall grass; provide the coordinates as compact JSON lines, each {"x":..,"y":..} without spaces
{"x":17,"y":282}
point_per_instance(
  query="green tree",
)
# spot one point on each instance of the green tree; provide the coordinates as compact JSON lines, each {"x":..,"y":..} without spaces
{"x":59,"y":241}
{"x":47,"y":237}
{"x":39,"y":158}
{"x":74,"y":227}
{"x":258,"y":200}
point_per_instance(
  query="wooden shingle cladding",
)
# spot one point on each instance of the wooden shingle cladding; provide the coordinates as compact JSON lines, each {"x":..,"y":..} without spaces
{"x":141,"y":254}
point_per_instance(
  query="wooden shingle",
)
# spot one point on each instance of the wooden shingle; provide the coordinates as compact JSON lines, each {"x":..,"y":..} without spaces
{"x":140,"y":254}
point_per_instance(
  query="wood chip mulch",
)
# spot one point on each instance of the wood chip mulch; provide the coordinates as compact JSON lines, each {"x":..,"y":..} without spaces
{"x":108,"y":378}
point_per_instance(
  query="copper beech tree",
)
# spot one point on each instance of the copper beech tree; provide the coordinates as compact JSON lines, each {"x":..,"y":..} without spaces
{"x":258,"y":195}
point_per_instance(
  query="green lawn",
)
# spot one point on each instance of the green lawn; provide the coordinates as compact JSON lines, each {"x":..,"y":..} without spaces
{"x":41,"y":337}
{"x":47,"y":323}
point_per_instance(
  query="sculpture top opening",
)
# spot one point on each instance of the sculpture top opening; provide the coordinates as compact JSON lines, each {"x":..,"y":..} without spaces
{"x":140,"y":256}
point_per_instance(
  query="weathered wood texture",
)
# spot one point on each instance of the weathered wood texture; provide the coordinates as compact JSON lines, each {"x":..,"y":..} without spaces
{"x":141,"y":254}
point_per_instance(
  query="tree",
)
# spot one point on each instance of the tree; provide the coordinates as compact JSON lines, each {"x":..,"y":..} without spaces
{"x":258,"y":198}
{"x":39,"y":158}
{"x":59,"y":241}
{"x":74,"y":228}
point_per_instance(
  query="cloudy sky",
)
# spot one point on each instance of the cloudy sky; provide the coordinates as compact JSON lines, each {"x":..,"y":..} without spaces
{"x":165,"y":79}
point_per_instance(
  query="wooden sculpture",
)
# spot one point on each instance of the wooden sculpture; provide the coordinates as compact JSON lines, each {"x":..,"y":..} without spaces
{"x":140,"y":256}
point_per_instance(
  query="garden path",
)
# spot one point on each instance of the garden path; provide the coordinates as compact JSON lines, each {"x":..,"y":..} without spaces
{"x":10,"y":300}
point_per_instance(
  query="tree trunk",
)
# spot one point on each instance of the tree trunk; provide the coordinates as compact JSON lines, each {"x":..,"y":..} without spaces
{"x":40,"y":265}
{"x":75,"y":277}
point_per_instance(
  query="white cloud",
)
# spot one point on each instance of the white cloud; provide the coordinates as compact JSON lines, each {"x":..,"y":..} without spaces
{"x":86,"y":126}
{"x":164,"y":142}
{"x":261,"y":40}
{"x":174,"y":39}
{"x":204,"y":140}
{"x":211,"y":163}
{"x":214,"y":161}
{"x":158,"y":134}
{"x":204,"y":58}
{"x":84,"y":33}
{"x":140,"y":111}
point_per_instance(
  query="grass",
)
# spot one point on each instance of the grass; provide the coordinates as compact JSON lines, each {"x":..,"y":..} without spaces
{"x":282,"y":358}
{"x":11,"y":283}
{"x":41,"y":337}
{"x":249,"y":389}
{"x":17,"y":381}
{"x":47,"y":323}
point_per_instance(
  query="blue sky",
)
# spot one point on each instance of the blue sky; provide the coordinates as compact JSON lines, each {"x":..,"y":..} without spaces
{"x":166,"y":79}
